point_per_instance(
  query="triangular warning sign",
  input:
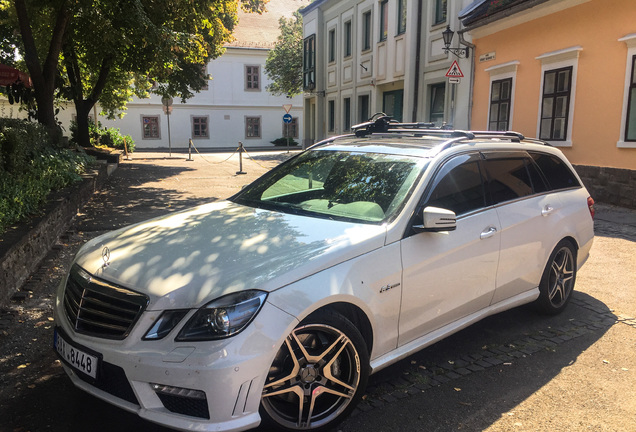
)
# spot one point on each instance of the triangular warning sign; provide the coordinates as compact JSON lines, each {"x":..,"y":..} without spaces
{"x":454,"y":71}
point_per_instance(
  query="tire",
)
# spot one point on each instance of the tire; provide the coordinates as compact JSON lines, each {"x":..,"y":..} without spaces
{"x":557,"y":281}
{"x":317,"y":377}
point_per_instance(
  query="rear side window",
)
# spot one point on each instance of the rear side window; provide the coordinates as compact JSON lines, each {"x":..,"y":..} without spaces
{"x":459,"y":186}
{"x":508,"y":179}
{"x":557,"y":173}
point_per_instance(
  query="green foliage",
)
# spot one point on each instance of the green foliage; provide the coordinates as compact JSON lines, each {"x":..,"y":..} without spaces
{"x":284,"y":65}
{"x":111,"y":137}
{"x":283,"y":142}
{"x":31,"y":169}
{"x":109,"y":50}
{"x":103,"y":137}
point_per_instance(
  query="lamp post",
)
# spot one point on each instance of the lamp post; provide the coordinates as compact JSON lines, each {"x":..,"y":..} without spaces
{"x":448,"y":38}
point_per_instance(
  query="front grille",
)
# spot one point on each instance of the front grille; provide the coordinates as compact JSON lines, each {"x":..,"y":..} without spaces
{"x":99,"y":308}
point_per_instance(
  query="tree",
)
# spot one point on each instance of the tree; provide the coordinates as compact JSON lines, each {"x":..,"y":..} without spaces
{"x":284,"y":65}
{"x":41,"y":47}
{"x":110,"y":49}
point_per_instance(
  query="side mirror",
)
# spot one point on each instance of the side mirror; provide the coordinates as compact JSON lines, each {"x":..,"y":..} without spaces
{"x":437,"y":220}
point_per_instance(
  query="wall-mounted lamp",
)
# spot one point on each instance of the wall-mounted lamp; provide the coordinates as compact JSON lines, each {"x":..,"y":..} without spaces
{"x":311,"y":86}
{"x":448,"y":38}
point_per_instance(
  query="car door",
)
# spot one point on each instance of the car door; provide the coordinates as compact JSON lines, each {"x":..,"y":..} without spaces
{"x":528,"y":214}
{"x":449,"y":275}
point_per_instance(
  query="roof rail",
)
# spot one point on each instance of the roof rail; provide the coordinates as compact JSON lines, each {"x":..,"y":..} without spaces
{"x":537,"y":141}
{"x":382,"y":123}
{"x":495,"y":134}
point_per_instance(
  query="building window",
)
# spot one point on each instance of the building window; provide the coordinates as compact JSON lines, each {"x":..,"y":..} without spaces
{"x":346,"y":111}
{"x":347,"y":39}
{"x":500,"y":101}
{"x":150,"y":127}
{"x":252,"y":78}
{"x":332,"y":45}
{"x":401,"y":16}
{"x":366,"y":31}
{"x":290,"y":130}
{"x":555,"y":104}
{"x":436,"y":103}
{"x":252,"y":127}
{"x":331,"y":116}
{"x":440,"y":11}
{"x":363,"y":108}
{"x":630,"y":124}
{"x":384,"y":19}
{"x":309,"y":62}
{"x":200,"y":127}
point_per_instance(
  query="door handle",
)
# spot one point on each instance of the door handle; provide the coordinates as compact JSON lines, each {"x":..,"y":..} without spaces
{"x":488,"y":232}
{"x":547,"y":210}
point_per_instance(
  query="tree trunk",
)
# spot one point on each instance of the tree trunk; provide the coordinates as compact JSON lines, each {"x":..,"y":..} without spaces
{"x":82,"y":110}
{"x":43,"y":74}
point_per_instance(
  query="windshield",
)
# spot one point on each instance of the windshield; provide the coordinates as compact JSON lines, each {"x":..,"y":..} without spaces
{"x":343,"y":185}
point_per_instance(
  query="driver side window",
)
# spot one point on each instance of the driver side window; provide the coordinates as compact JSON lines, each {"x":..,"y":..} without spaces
{"x":459,"y":186}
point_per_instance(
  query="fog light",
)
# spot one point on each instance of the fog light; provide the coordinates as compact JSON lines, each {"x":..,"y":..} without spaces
{"x":178,"y":391}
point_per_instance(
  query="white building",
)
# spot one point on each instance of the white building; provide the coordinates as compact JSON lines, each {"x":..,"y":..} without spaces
{"x":236,"y":107}
{"x":369,"y":56}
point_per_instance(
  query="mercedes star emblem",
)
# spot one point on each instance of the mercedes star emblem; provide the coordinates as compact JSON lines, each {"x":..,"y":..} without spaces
{"x":106,"y":256}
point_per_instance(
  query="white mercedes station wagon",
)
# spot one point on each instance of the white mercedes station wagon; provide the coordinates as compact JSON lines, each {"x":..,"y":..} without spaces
{"x":276,"y":304}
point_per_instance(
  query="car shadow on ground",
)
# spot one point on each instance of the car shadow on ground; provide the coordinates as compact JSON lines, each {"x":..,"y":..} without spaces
{"x":516,"y":352}
{"x":525,"y":350}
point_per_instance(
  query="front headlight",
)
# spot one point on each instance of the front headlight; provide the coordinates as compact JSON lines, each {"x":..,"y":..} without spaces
{"x":223,"y":317}
{"x":165,"y":323}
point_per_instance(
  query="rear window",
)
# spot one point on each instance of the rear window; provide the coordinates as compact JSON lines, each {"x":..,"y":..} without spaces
{"x":557,"y":173}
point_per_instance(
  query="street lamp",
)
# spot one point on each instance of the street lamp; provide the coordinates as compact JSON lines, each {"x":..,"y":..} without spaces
{"x":448,"y":38}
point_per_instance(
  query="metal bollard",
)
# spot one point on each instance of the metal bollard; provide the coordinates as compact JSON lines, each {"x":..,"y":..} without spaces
{"x":190,"y":150}
{"x":241,"y":150}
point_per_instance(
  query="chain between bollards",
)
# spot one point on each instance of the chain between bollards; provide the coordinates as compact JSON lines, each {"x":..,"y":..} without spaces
{"x":241,"y":150}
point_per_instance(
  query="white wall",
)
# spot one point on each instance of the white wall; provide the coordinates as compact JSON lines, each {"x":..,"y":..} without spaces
{"x":225,"y":102}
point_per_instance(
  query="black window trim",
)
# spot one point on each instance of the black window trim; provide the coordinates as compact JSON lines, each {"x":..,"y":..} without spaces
{"x":555,"y":94}
{"x":631,"y":104}
{"x":499,"y":102}
{"x":526,"y":155}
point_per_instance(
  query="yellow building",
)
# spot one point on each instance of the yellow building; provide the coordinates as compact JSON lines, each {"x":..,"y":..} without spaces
{"x":563,"y":71}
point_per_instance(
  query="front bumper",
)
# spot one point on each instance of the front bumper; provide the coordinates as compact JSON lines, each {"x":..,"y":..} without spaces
{"x":230,"y":372}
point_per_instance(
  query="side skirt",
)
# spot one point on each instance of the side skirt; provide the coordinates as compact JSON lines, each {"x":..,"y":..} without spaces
{"x":406,"y":350}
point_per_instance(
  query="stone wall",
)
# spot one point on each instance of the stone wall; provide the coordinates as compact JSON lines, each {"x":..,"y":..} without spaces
{"x":24,"y":247}
{"x":610,"y":185}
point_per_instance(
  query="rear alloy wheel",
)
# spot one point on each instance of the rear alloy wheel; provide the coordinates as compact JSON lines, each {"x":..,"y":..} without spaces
{"x":557,"y":282}
{"x":317,"y":377}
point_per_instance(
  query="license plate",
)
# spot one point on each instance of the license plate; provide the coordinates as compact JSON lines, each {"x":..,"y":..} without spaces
{"x":76,"y":358}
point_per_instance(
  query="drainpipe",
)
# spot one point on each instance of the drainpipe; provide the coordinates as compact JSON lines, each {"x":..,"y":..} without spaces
{"x":464,"y":42}
{"x":418,"y":45}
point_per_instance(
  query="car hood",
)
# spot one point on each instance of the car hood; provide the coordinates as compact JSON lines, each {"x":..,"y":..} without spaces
{"x":189,"y":258}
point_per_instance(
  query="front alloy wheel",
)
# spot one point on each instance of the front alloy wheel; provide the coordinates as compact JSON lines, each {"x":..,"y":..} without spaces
{"x":317,"y":376}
